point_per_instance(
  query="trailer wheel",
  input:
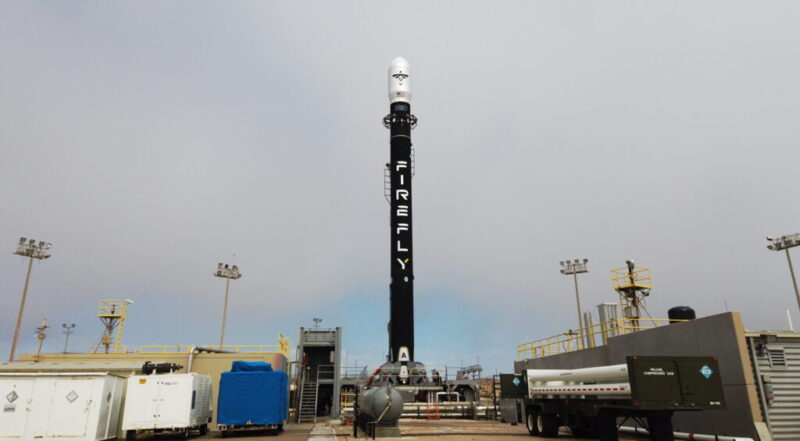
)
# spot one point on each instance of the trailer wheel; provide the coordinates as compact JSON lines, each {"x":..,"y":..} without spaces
{"x":547,"y":424}
{"x":530,"y":422}
{"x":203,"y":429}
{"x":130,"y":435}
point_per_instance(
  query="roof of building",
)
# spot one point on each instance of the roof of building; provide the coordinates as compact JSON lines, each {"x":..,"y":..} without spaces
{"x":56,"y":366}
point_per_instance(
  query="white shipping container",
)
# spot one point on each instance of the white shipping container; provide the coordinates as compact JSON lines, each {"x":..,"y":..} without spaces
{"x":167,"y":402}
{"x":81,"y":406}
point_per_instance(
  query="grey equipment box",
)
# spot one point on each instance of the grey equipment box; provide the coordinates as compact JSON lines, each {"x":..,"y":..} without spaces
{"x":676,"y":383}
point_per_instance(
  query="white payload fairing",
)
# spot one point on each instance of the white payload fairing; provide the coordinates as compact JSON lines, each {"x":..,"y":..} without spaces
{"x":399,"y":81}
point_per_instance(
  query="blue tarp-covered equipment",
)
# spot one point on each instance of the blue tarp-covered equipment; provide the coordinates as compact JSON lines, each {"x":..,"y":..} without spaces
{"x":253,"y":394}
{"x":251,"y":366}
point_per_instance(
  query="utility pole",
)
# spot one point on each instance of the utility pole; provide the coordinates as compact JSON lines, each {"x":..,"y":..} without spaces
{"x":574,"y":268}
{"x":783,"y":243}
{"x":27,"y":248}
{"x":67,"y":330}
{"x":41,"y":336}
{"x":226,"y":272}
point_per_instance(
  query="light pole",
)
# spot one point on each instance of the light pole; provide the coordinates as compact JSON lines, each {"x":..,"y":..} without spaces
{"x":41,"y":336}
{"x":783,"y":243}
{"x":68,"y":329}
{"x":227,"y":272}
{"x":27,"y":248}
{"x":573,"y":269}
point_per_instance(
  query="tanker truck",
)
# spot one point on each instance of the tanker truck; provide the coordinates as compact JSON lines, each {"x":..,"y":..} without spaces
{"x":646,"y":389}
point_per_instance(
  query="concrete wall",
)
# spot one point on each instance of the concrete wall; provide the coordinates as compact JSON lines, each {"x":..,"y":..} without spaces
{"x":211,"y":364}
{"x":718,"y":335}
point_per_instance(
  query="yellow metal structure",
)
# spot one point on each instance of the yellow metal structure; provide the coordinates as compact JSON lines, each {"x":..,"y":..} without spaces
{"x":624,"y":280}
{"x":575,"y":340}
{"x":113,"y":314}
{"x":346,"y":399}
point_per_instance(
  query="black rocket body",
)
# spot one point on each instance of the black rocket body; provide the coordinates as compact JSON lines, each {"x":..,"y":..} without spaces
{"x":401,"y":287}
{"x":400,"y":121}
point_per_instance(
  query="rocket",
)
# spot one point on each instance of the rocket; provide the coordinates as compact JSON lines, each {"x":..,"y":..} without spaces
{"x":400,"y":121}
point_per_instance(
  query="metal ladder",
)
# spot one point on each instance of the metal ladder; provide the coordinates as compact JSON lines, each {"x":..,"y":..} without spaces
{"x":387,"y":178}
{"x":308,"y":403}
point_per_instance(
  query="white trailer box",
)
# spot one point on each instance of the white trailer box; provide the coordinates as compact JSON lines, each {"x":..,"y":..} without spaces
{"x":81,"y":406}
{"x":167,"y":402}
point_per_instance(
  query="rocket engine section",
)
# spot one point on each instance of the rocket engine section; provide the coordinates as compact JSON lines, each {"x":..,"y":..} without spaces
{"x":382,"y":404}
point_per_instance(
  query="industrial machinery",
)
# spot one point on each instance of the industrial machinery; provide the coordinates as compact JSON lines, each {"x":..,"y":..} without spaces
{"x":377,"y":411}
{"x":80,"y":406}
{"x":252,"y":397}
{"x":590,"y":400}
{"x":167,"y":403}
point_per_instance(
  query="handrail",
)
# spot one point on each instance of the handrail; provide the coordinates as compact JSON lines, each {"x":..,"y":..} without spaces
{"x":577,"y":339}
{"x":282,"y":348}
{"x":113,"y":349}
{"x":623,"y":278}
{"x":229,"y":348}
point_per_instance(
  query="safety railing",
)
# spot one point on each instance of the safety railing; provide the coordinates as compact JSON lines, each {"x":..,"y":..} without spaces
{"x":259,"y":349}
{"x":325,"y":372}
{"x":588,"y":337}
{"x":354,"y":372}
{"x":113,"y":308}
{"x":282,"y":347}
{"x":623,"y":278}
{"x":113,"y":349}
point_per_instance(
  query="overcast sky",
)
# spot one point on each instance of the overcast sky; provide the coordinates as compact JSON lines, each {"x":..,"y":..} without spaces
{"x":149,"y":141}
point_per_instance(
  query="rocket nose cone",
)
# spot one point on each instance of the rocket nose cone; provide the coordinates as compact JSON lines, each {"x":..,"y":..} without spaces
{"x":399,"y":80}
{"x":400,"y":61}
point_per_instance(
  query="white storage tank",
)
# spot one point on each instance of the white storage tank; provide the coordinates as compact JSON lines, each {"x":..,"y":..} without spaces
{"x":81,"y":406}
{"x":167,"y":403}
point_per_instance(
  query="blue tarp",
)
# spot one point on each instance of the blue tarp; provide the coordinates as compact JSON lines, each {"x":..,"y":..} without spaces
{"x":251,"y":366}
{"x":252,"y":393}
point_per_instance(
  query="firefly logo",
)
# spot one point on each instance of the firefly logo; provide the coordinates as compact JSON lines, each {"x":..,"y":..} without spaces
{"x":400,"y":76}
{"x":401,"y":198}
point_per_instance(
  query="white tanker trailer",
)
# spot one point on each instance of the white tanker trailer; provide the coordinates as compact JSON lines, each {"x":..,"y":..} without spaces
{"x":590,"y":400}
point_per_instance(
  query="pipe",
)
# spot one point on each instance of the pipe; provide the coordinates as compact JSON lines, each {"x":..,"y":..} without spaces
{"x":685,"y":435}
{"x":191,"y":358}
{"x":195,"y":349}
{"x":583,"y":389}
{"x":597,"y":374}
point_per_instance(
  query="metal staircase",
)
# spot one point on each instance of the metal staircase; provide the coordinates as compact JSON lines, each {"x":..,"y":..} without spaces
{"x":308,"y":403}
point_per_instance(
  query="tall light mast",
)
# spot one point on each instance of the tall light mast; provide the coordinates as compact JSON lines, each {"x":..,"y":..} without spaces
{"x":227,"y":272}
{"x":783,"y":243}
{"x":32,"y":250}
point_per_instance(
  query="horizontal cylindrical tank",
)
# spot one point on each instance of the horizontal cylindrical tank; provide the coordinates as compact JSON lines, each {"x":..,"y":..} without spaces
{"x":381,"y":403}
{"x":601,"y":374}
{"x":583,"y":389}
